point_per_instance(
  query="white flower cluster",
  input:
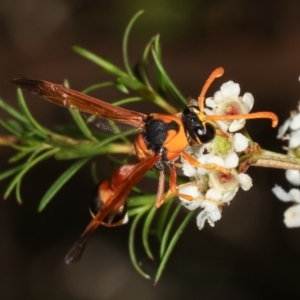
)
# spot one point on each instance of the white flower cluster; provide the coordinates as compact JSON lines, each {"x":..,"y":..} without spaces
{"x":212,"y":188}
{"x":290,"y":130}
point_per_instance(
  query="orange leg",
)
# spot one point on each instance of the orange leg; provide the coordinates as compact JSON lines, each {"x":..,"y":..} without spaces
{"x":172,"y":190}
{"x":161,"y":187}
{"x":194,"y":162}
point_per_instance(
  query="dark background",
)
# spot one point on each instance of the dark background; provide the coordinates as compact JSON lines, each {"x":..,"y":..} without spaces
{"x":249,"y":254}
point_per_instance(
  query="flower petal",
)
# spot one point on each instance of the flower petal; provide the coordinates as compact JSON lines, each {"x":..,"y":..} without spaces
{"x":245,"y":181}
{"x":283,"y":128}
{"x":230,"y":89}
{"x":248,"y":101}
{"x":217,"y":160}
{"x":210,"y":102}
{"x":295,"y":194}
{"x":240,"y":142}
{"x":191,"y":190}
{"x":282,"y":195}
{"x":211,"y":215}
{"x":214,"y":194}
{"x":188,"y":170}
{"x":231,"y":160}
{"x":295,"y":122}
{"x":292,"y":216}
{"x":294,"y":141}
{"x":218,"y":97}
{"x":229,"y":195}
{"x":236,"y":125}
{"x":293,"y":176}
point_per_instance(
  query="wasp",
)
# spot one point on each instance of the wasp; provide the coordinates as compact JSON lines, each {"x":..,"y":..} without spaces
{"x":161,"y":140}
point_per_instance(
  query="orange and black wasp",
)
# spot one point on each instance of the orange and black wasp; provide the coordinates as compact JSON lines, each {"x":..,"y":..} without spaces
{"x":161,"y":140}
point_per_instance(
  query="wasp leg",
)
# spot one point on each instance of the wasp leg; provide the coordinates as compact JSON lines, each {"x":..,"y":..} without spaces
{"x":172,"y":190}
{"x":161,"y":187}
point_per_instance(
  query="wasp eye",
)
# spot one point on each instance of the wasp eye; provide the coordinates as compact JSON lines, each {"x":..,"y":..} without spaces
{"x":205,"y":133}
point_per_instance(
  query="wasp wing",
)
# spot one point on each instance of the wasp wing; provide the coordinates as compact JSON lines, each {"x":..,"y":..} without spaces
{"x":124,"y":179}
{"x":63,"y":96}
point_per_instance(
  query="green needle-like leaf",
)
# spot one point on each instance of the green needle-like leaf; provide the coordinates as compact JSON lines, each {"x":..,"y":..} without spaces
{"x":20,"y":155}
{"x":164,"y":210}
{"x":144,"y":64}
{"x":125,"y":41}
{"x":121,"y":87}
{"x":103,"y":63}
{"x":91,"y":148}
{"x":18,"y":192}
{"x":10,"y":172}
{"x":132,"y":243}
{"x":60,"y":182}
{"x":97,"y":86}
{"x":172,"y":245}
{"x":26,"y":168}
{"x":82,"y":124}
{"x":143,"y":200}
{"x":10,"y":128}
{"x":127,"y":100}
{"x":166,"y":77}
{"x":94,"y":173}
{"x":29,"y":116}
{"x":146,"y":232}
{"x":13,"y":112}
{"x":134,"y":84}
{"x":167,"y":231}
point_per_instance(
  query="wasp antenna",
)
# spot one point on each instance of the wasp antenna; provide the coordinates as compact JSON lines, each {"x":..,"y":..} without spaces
{"x":215,"y":74}
{"x":257,"y":115}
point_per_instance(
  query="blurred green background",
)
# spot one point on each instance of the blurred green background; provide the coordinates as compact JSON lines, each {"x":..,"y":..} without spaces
{"x":249,"y":254}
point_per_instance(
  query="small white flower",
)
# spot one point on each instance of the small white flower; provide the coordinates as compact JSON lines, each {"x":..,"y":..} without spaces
{"x":214,"y":186}
{"x":295,"y":122}
{"x":228,"y":196}
{"x":240,"y":142}
{"x":191,"y":190}
{"x":292,"y":216}
{"x":281,"y":194}
{"x":216,"y":160}
{"x":231,"y":160}
{"x":294,"y":141}
{"x":292,"y":123}
{"x":236,"y":125}
{"x":293,"y":176}
{"x":283,"y":128}
{"x":188,"y":170}
{"x":245,"y":181}
{"x":230,"y":90}
{"x":290,"y":130}
{"x":248,"y":101}
{"x":210,"y":213}
{"x":227,"y":101}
